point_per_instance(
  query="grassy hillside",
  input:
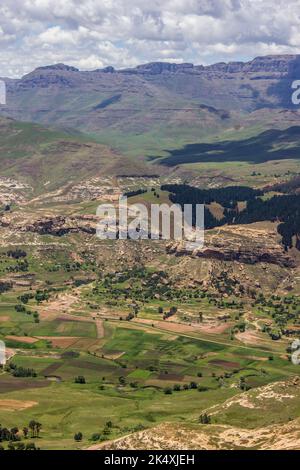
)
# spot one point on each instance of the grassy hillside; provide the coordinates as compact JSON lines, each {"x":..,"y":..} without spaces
{"x":45,"y":157}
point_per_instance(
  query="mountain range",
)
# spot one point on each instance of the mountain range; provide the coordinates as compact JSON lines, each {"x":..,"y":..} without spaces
{"x":159,"y":106}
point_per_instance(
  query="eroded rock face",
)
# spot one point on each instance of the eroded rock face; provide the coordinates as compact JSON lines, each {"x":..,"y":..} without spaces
{"x":56,"y":225}
{"x":238,"y":243}
{"x":62,"y":225}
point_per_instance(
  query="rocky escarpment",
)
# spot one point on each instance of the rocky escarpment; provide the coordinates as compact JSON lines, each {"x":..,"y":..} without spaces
{"x":276,"y":65}
{"x":53,"y":225}
{"x":244,"y":244}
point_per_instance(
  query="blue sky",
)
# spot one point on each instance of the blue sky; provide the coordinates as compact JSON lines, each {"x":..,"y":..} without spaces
{"x":91,"y":34}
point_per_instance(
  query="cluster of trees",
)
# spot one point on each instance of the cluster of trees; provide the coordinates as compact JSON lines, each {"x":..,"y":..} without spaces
{"x":35,"y":427}
{"x":5,"y":286}
{"x":102,"y":436}
{"x":170,"y":313}
{"x":144,"y":286}
{"x":284,"y":209}
{"x":137,"y":192}
{"x":24,"y":298}
{"x":226,"y":283}
{"x":80,"y":380}
{"x":227,"y":197}
{"x":21,"y":309}
{"x":14,"y":436}
{"x":243,"y":385}
{"x":9,"y":434}
{"x":17,"y":253}
{"x":21,"y":266}
{"x":282,"y":310}
{"x":18,"y":371}
{"x":179,"y":388}
{"x":20,"y":446}
{"x":41,"y":296}
{"x":97,"y":436}
{"x":155,"y":193}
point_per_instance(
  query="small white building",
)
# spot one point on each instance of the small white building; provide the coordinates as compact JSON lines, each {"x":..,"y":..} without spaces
{"x":2,"y":354}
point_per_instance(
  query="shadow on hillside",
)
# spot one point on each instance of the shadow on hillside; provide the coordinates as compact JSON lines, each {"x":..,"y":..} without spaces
{"x":272,"y":144}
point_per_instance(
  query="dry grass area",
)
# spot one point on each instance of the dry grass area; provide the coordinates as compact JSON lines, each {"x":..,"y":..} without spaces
{"x":170,"y":436}
{"x":261,"y":397}
{"x":217,"y":328}
{"x":254,"y":338}
{"x":60,"y":305}
{"x":16,"y":405}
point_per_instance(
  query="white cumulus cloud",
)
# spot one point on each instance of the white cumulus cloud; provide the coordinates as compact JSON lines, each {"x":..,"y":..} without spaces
{"x":95,"y":33}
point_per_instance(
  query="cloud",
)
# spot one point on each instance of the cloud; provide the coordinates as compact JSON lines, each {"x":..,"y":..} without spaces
{"x":95,"y":33}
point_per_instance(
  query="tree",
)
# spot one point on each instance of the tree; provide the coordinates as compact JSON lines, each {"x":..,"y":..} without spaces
{"x":80,"y":380}
{"x":122,"y":380}
{"x":205,"y":419}
{"x":32,"y":427}
{"x":25,"y":432}
{"x":38,"y":427}
{"x":78,"y":437}
{"x":193,"y":385}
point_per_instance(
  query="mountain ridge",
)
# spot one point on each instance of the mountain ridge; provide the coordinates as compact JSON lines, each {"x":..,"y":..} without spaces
{"x":259,"y":63}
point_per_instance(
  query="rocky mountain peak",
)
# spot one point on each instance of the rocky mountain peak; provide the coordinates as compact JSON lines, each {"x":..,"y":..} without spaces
{"x":57,"y":67}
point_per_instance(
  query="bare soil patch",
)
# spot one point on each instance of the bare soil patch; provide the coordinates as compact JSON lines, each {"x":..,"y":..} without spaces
{"x":100,"y":329}
{"x":4,"y":318}
{"x":16,"y":405}
{"x":60,"y":341}
{"x":23,"y":339}
{"x":171,"y":377}
{"x":249,"y":337}
{"x":256,"y":358}
{"x":85,"y":343}
{"x":114,"y":356}
{"x":13,"y":384}
{"x":215,"y":329}
{"x":51,"y":369}
{"x":226,"y":364}
{"x":54,"y":308}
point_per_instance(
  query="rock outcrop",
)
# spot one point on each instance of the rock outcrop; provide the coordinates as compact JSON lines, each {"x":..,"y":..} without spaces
{"x":54,"y":225}
{"x":244,"y":244}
